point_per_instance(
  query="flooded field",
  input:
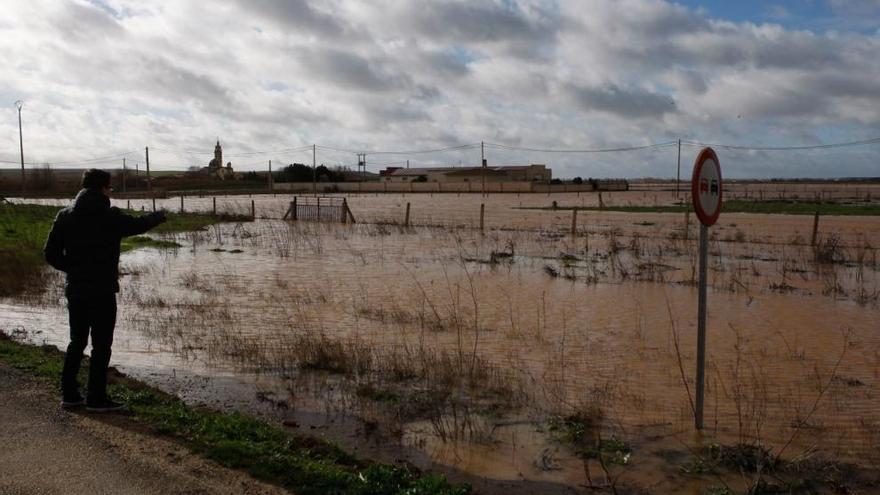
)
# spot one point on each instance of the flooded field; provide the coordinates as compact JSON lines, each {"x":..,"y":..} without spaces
{"x":473,"y":351}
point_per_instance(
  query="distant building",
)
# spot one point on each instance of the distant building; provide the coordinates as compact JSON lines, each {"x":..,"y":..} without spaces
{"x":215,"y":167}
{"x":509,"y":173}
{"x":357,"y":176}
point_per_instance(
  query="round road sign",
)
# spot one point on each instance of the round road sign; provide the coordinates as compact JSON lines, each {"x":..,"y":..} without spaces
{"x":706,"y":187}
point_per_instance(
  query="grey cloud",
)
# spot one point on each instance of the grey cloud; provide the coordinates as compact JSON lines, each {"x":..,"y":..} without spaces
{"x":623,"y":102}
{"x":842,"y":85}
{"x":444,"y":63}
{"x":350,"y":71}
{"x":388,"y":115}
{"x":800,"y":50}
{"x":783,"y":104}
{"x":485,"y":22}
{"x":295,"y":13}
{"x":87,"y":22}
{"x":691,"y":81}
{"x":659,"y":20}
{"x":163,"y":78}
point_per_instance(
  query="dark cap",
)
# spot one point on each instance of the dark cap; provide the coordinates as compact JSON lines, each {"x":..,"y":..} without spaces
{"x":95,"y":179}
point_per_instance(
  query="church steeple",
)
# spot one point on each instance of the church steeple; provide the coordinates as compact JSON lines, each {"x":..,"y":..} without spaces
{"x":218,"y":155}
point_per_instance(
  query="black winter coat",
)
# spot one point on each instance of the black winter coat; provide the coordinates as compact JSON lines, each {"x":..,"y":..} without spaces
{"x":84,"y":242}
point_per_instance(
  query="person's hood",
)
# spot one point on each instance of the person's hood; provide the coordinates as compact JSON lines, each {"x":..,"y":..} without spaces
{"x":90,"y":202}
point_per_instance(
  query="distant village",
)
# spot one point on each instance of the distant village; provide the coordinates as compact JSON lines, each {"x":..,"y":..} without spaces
{"x":299,"y":172}
{"x":220,"y":175}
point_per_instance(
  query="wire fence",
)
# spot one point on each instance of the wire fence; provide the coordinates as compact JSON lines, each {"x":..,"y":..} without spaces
{"x":549,"y":212}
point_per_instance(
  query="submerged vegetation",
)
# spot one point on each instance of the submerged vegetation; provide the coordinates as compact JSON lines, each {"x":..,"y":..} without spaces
{"x":769,"y":207}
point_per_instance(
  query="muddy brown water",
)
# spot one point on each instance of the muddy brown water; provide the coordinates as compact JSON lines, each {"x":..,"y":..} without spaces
{"x":796,"y":365}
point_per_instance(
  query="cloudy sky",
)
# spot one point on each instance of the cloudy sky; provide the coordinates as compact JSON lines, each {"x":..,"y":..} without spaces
{"x":102,"y":78}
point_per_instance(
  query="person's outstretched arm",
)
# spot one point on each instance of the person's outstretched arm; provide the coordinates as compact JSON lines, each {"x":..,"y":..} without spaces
{"x":129,"y":225}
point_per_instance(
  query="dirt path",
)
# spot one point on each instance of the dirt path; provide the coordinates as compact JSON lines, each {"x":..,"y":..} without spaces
{"x":44,"y":450}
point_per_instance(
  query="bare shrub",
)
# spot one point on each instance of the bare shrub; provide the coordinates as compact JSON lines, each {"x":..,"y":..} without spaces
{"x":828,"y":249}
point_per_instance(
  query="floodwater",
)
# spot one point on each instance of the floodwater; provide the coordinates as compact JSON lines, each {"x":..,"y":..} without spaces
{"x":552,"y":324}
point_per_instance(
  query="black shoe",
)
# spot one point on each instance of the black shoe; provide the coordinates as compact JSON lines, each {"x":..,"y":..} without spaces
{"x":104,"y":406}
{"x":69,"y":402}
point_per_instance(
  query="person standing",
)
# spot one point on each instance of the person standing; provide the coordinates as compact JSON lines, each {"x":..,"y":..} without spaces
{"x":84,"y":243}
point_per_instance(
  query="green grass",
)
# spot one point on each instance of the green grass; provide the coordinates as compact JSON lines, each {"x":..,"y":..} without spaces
{"x":23,"y":231}
{"x":24,"y":228}
{"x":25,"y":225}
{"x":140,"y":241}
{"x":305,"y":465}
{"x":743,"y":206}
{"x":188,"y":222}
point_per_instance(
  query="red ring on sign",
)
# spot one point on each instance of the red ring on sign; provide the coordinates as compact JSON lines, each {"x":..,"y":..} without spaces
{"x":706,"y":218}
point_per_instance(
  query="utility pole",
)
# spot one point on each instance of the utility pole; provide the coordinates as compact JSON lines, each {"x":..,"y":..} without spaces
{"x":149,"y":185}
{"x":678,"y":172}
{"x":314,"y":172}
{"x":123,"y":175}
{"x":362,"y":165}
{"x":19,"y":104}
{"x":483,"y":164}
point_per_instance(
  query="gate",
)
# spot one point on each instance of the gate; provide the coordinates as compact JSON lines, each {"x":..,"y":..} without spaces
{"x":319,"y":209}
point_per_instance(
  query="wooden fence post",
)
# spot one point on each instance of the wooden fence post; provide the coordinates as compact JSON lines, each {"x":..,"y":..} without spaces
{"x":482,"y":214}
{"x":214,"y":205}
{"x":293,"y":208}
{"x":574,"y":220}
{"x":253,"y":211}
{"x":687,"y":224}
{"x":815,"y":228}
{"x":347,"y":209}
{"x":154,"y":204}
{"x":406,"y":219}
{"x":181,"y":202}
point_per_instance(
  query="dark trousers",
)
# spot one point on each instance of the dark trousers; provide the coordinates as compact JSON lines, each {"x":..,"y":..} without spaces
{"x":95,"y":314}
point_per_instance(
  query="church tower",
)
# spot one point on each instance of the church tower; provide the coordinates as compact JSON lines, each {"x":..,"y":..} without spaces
{"x":218,"y":155}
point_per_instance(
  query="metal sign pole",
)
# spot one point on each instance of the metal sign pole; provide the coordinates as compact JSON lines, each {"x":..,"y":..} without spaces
{"x":701,"y":326}
{"x":706,"y":193}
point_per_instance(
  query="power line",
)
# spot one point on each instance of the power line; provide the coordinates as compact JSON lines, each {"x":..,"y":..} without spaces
{"x":407,"y":152}
{"x":331,"y":148}
{"x":76,"y":162}
{"x":237,"y":155}
{"x":597,"y":150}
{"x":419,"y":152}
{"x":785,"y":148}
{"x":654,"y":146}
